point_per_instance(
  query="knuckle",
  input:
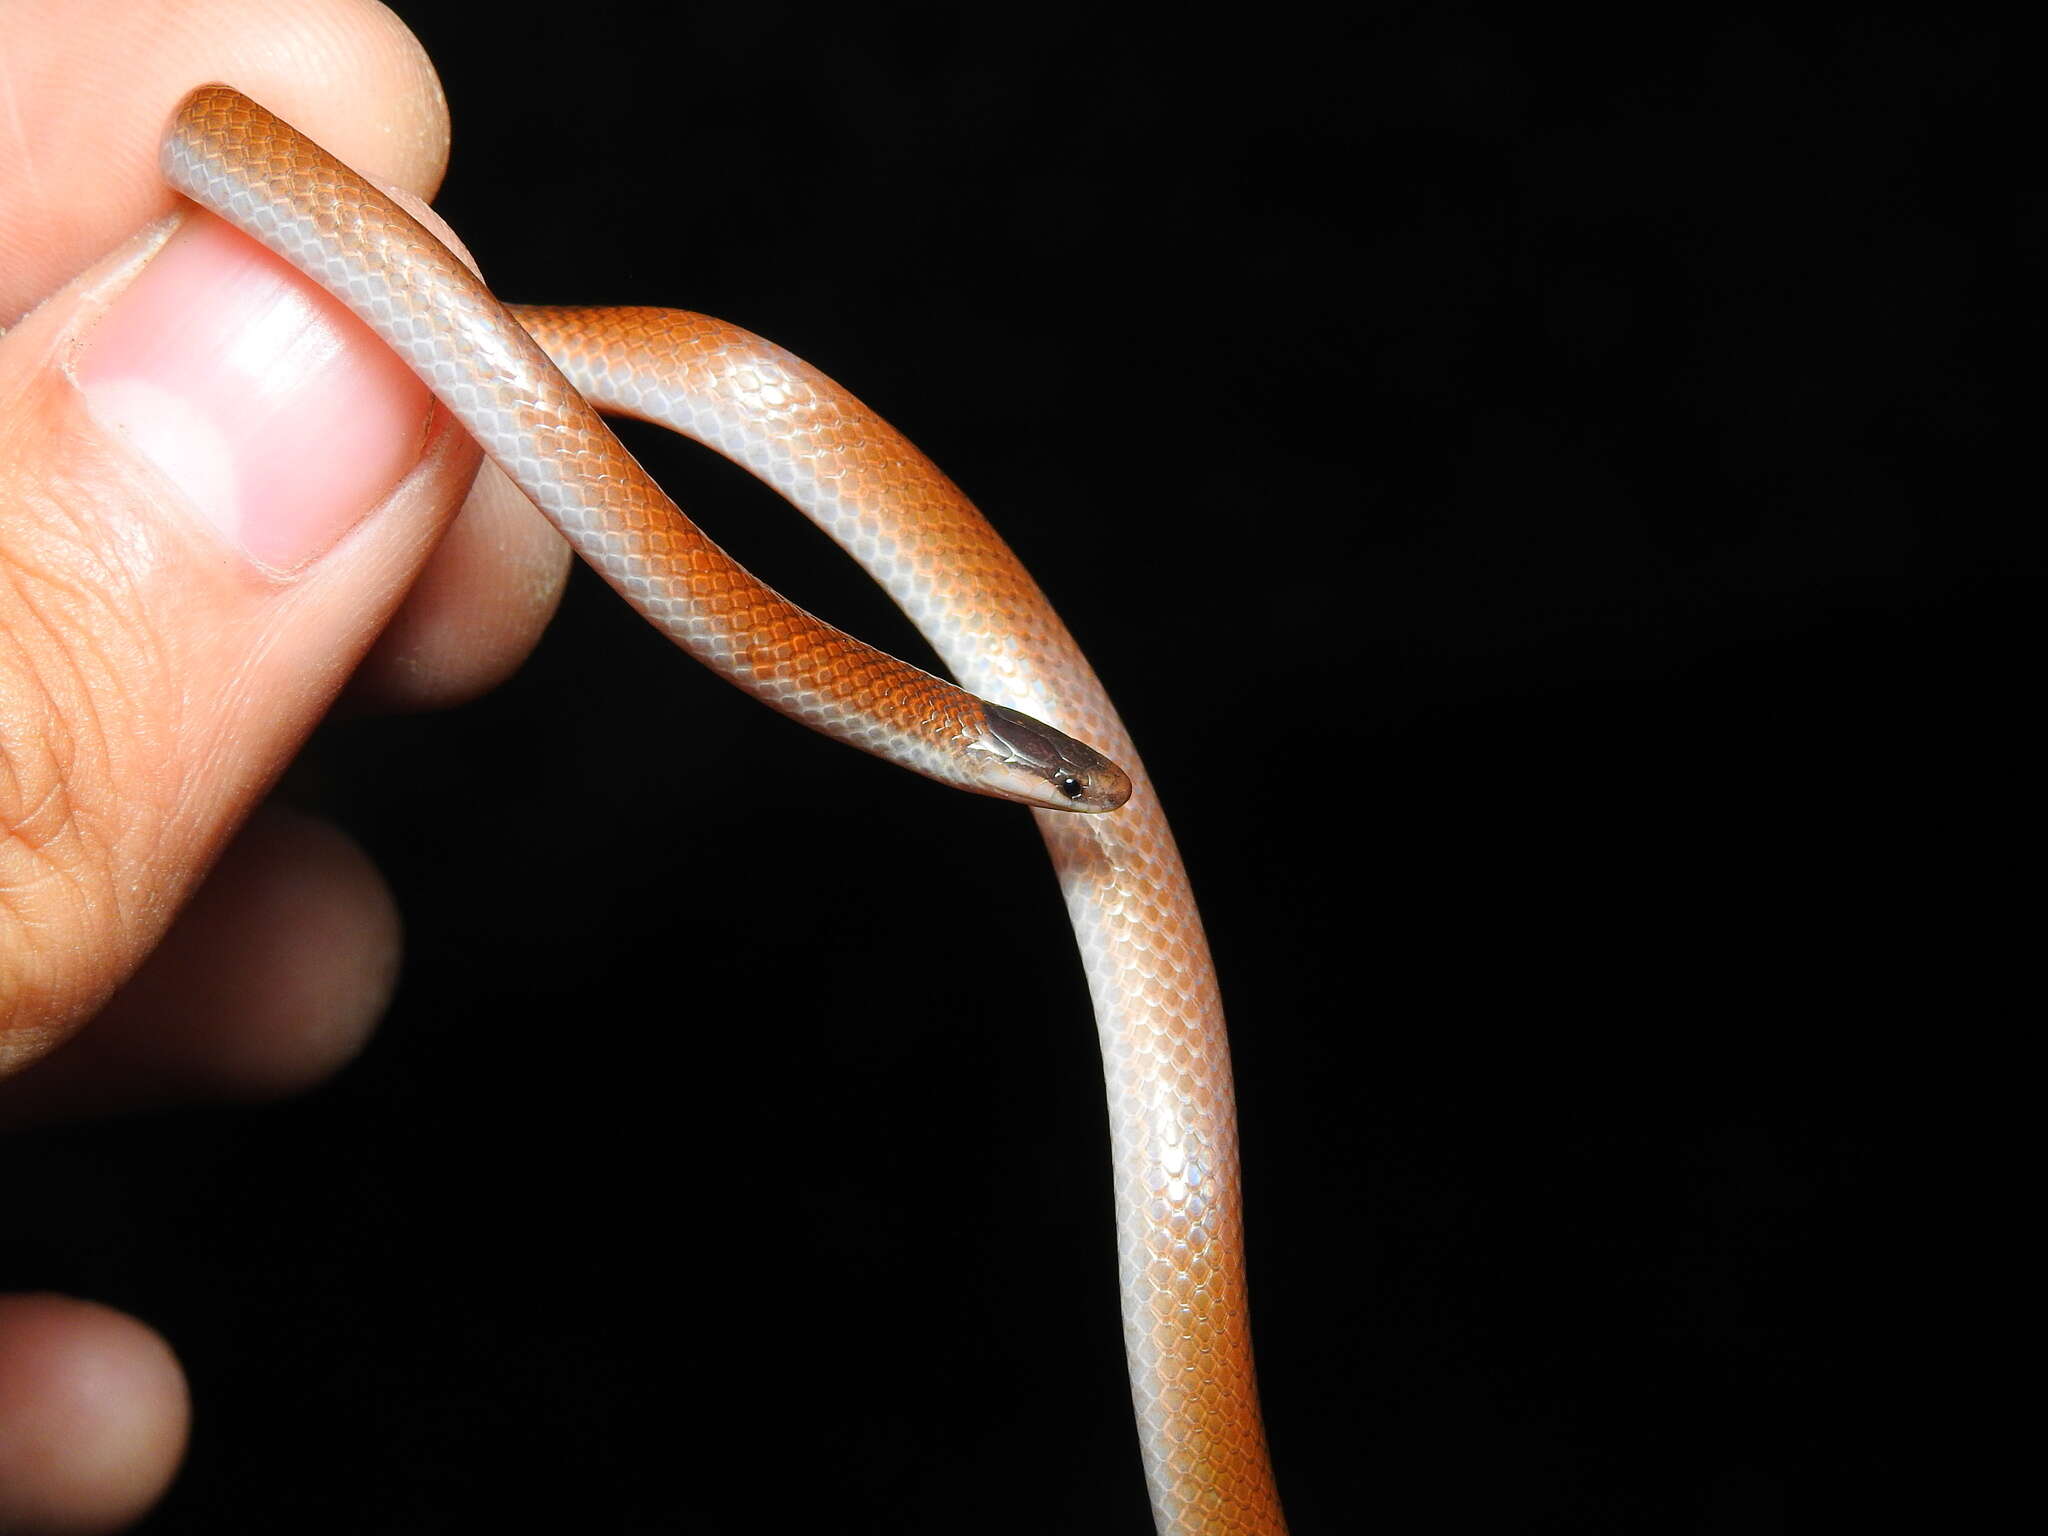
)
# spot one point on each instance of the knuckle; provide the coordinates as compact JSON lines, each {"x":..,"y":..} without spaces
{"x":82,"y":726}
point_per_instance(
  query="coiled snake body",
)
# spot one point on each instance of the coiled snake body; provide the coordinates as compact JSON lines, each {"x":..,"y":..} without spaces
{"x":1165,"y":1060}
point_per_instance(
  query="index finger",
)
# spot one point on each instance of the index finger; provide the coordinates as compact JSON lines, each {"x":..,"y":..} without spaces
{"x":87,"y":85}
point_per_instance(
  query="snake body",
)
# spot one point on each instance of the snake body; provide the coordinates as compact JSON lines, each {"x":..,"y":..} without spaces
{"x":1165,"y":1058}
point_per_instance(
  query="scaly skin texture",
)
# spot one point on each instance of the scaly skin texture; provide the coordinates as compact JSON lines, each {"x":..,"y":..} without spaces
{"x":1166,"y":1064}
{"x":230,"y":156}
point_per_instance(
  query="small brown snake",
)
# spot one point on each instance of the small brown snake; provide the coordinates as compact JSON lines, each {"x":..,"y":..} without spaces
{"x":1165,"y":1058}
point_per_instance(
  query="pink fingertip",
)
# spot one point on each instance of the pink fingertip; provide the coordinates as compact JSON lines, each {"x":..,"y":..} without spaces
{"x":281,"y":417}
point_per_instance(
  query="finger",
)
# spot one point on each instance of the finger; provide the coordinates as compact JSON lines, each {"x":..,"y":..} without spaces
{"x":270,"y":979}
{"x":93,"y":1417}
{"x":145,"y":439}
{"x":86,"y":87}
{"x":477,"y":610}
{"x":218,"y":486}
{"x":78,"y":130}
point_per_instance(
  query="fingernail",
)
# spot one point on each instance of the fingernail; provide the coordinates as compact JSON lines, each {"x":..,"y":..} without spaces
{"x":277,"y":413}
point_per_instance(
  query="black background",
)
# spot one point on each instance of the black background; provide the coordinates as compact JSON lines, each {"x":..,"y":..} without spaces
{"x":1531,"y":483}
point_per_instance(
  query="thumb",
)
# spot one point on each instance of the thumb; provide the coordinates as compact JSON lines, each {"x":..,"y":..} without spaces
{"x":215,"y":487}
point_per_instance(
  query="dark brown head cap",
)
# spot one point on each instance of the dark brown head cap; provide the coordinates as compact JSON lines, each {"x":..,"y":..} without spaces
{"x":1042,"y":766}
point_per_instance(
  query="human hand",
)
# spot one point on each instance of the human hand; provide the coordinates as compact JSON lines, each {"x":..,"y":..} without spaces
{"x":221,"y":502}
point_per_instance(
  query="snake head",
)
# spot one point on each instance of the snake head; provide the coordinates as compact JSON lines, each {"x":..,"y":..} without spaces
{"x":1025,"y":759}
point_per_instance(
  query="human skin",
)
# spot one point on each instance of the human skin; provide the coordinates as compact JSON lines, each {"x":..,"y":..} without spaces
{"x":182,"y":598}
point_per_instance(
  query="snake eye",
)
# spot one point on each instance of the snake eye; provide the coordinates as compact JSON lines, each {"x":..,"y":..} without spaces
{"x":1038,"y":758}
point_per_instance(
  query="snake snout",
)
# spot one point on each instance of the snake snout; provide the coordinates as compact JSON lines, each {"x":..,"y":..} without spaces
{"x":1050,"y":768}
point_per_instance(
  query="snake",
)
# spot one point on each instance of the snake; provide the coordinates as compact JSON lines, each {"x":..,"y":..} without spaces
{"x":1027,"y":719}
